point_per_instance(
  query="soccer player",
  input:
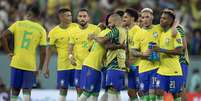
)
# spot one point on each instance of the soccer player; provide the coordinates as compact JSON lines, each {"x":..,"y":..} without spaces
{"x":91,"y":70}
{"x":130,"y":18}
{"x":80,"y":45}
{"x":115,"y":58}
{"x":147,"y":67}
{"x":169,"y":74}
{"x":28,"y":36}
{"x":59,"y":38}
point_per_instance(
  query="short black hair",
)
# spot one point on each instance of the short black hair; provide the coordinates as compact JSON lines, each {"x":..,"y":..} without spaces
{"x":170,"y":12}
{"x":120,"y":12}
{"x":63,"y":10}
{"x":84,"y":10}
{"x":34,"y":9}
{"x":107,"y":18}
{"x":133,"y":13}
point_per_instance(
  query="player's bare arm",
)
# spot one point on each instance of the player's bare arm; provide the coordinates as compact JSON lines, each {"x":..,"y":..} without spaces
{"x":176,"y":51}
{"x":5,"y":43}
{"x":71,"y":55}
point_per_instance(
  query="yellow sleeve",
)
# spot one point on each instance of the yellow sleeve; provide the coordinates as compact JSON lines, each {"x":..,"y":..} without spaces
{"x":72,"y":39}
{"x":12,"y":28}
{"x":98,"y":30}
{"x":43,"y":40}
{"x":136,"y":40}
{"x":178,"y":41}
{"x":51,"y":38}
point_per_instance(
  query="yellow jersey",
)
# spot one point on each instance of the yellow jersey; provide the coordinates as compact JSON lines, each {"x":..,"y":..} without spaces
{"x":28,"y":35}
{"x":141,"y":42}
{"x":169,"y":65}
{"x":95,"y":57}
{"x":131,"y":34}
{"x":82,"y":45}
{"x":59,"y":38}
{"x":119,"y":55}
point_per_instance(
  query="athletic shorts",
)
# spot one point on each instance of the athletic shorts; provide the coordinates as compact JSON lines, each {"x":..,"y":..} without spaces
{"x":115,"y":78}
{"x":185,"y":72}
{"x":90,"y":79}
{"x":133,"y":79}
{"x":77,"y":75}
{"x":172,"y":84}
{"x":65,"y":78}
{"x":147,"y":80}
{"x":22,"y":79}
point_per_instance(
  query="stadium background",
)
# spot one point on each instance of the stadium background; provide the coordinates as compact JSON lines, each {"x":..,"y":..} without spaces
{"x":188,"y":13}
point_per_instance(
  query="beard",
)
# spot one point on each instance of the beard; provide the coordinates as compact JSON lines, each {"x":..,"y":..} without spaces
{"x":82,"y":23}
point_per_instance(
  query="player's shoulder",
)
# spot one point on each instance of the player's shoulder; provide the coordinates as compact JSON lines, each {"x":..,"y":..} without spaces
{"x":72,"y":25}
{"x":135,"y":27}
{"x":54,"y":29}
{"x":93,"y":26}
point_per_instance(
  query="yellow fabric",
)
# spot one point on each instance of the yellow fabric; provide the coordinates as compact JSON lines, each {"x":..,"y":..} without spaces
{"x":120,"y":54}
{"x":141,"y":42}
{"x":170,"y":65}
{"x":131,"y":34}
{"x":82,"y":45}
{"x":28,"y":36}
{"x":95,"y":57}
{"x":59,"y":38}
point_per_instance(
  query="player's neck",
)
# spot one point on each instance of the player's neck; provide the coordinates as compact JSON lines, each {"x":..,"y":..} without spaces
{"x":166,"y":28}
{"x":63,"y":25}
{"x":32,"y":19}
{"x":84,"y":26}
{"x":148,"y":27}
{"x":131,"y":25}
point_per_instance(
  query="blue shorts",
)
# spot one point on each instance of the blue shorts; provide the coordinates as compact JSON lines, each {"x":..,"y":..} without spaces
{"x":77,"y":75}
{"x":103,"y":79}
{"x":65,"y":78}
{"x":185,"y":72}
{"x":172,"y":84}
{"x":147,"y":80}
{"x":90,"y":79}
{"x":133,"y":79}
{"x":115,"y":78}
{"x":22,"y":79}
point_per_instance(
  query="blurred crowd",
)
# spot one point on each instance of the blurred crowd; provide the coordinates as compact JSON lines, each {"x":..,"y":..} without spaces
{"x":188,"y":13}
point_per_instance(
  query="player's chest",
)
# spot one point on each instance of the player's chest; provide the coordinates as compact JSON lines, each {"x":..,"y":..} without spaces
{"x":150,"y":37}
{"x":62,"y":37}
{"x":166,"y":40}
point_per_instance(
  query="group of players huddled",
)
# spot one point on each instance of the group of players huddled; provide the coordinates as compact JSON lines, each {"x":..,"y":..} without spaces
{"x":90,"y":57}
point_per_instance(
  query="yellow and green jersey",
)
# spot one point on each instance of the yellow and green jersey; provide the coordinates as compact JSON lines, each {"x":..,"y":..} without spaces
{"x":82,"y":45}
{"x":116,"y":58}
{"x":169,"y":64}
{"x":59,"y":38}
{"x":141,"y":42}
{"x":95,"y":57}
{"x":184,"y":58}
{"x":28,"y":35}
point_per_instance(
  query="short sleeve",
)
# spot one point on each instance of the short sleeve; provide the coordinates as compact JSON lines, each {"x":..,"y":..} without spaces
{"x":13,"y":27}
{"x":51,"y":38}
{"x":136,"y":40}
{"x":43,"y":40}
{"x":178,"y":41}
{"x":181,"y":31}
{"x":72,"y":39}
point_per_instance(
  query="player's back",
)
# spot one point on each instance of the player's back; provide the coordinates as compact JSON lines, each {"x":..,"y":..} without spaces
{"x":27,"y":36}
